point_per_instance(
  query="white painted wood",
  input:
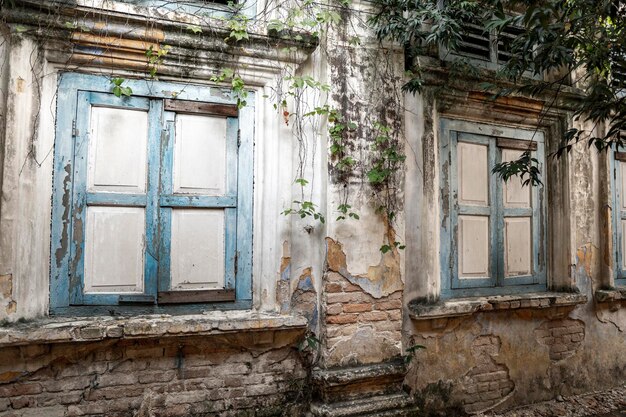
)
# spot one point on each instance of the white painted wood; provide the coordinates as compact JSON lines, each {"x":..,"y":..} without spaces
{"x":517,"y":246}
{"x":514,"y":194}
{"x":114,"y":247}
{"x":473,"y":174}
{"x":623,"y":223}
{"x":473,"y":236}
{"x":197,"y":249}
{"x":622,"y":167}
{"x":200,"y":155}
{"x":118,"y":150}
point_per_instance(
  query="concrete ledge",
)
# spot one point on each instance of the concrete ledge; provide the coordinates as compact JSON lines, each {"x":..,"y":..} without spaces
{"x":63,"y":330}
{"x":356,"y":382}
{"x":608,"y":296}
{"x":394,"y":405}
{"x":471,"y":305}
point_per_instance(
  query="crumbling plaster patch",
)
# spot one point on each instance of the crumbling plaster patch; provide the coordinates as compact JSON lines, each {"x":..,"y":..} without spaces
{"x":8,"y":305}
{"x":563,"y":337}
{"x":365,"y":345}
{"x":304,"y":298}
{"x":487,"y":384}
{"x":380,"y":281}
{"x":588,"y":280}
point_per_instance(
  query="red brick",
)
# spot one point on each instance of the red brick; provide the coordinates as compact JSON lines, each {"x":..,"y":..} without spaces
{"x":335,"y":277}
{"x":162,"y":376}
{"x":357,"y":308}
{"x":68,"y":384}
{"x":334,"y":309}
{"x":17,"y":389}
{"x":111,"y":393}
{"x":108,"y":380}
{"x":388,"y":305}
{"x":395,"y":314}
{"x":373,"y":316}
{"x":342,"y":319}
{"x":22,"y":402}
{"x":351,"y":288}
{"x":334,"y":287}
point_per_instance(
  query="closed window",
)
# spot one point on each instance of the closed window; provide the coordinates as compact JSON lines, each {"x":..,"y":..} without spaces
{"x":618,"y":163}
{"x":155,"y":203}
{"x":492,"y":231}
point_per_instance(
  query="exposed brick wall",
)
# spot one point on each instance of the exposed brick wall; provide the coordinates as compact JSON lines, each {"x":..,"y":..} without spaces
{"x":488,"y":383}
{"x":563,"y":337}
{"x":350,"y":311}
{"x":179,"y":377}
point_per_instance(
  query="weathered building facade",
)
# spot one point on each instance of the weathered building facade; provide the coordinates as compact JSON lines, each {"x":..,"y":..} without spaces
{"x":158,"y":259}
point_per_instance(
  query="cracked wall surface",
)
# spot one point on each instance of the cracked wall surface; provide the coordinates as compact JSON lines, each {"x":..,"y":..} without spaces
{"x":183,"y":377}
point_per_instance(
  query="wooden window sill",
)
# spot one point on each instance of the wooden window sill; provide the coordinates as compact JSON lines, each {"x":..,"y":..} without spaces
{"x":89,"y":329}
{"x":458,"y":307}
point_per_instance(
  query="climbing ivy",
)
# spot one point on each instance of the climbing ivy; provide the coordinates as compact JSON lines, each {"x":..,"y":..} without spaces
{"x":310,"y":107}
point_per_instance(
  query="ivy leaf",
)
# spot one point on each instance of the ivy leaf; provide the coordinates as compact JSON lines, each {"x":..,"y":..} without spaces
{"x":194,"y":28}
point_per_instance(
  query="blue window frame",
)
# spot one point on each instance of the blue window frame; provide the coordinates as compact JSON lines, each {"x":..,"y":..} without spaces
{"x":138,"y":206}
{"x":492,"y":232}
{"x":205,"y":8}
{"x":618,"y":168}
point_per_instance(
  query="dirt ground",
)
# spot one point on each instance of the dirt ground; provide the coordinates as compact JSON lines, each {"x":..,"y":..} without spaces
{"x":610,"y":403}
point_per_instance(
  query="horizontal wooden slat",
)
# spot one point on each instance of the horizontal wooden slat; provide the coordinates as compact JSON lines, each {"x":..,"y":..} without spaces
{"x":202,"y":201}
{"x":116,"y":199}
{"x":620,"y":156}
{"x":199,"y":296}
{"x":136,"y":299}
{"x":186,"y":106}
{"x":522,"y":145}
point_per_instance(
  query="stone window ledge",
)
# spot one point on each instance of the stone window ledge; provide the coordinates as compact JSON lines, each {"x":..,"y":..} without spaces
{"x":81,"y":329}
{"x":470,"y":305}
{"x":612,"y":295}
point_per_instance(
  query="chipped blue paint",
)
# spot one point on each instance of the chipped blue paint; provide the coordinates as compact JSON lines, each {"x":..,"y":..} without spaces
{"x":245,"y":186}
{"x":453,"y":132}
{"x":286,"y":274}
{"x":306,"y":283}
{"x":71,"y":198}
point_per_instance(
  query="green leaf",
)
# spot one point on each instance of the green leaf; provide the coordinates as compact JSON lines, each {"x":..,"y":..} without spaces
{"x":194,"y":28}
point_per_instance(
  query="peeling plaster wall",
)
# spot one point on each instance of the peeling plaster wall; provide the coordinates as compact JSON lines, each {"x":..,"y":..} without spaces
{"x":334,"y":274}
{"x":360,"y":282}
{"x":537,"y":356}
{"x":27,"y":182}
{"x":499,"y":360}
{"x":225,"y":376}
{"x":27,"y":157}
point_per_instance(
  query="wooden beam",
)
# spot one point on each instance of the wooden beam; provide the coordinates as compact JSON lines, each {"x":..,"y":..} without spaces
{"x":522,"y":145}
{"x":195,"y":296}
{"x":198,"y":107}
{"x":620,"y":156}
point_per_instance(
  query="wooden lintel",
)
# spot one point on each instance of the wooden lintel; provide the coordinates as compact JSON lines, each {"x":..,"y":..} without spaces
{"x":522,"y":145}
{"x":196,"y":296}
{"x":187,"y":106}
{"x":620,"y":156}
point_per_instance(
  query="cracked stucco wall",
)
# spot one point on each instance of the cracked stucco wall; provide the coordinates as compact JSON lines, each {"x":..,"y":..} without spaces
{"x":526,"y":355}
{"x":26,"y":184}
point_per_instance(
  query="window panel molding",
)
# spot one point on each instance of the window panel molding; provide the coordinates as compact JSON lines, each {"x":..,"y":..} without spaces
{"x":500,"y":216}
{"x":78,"y":94}
{"x":617,"y":169}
